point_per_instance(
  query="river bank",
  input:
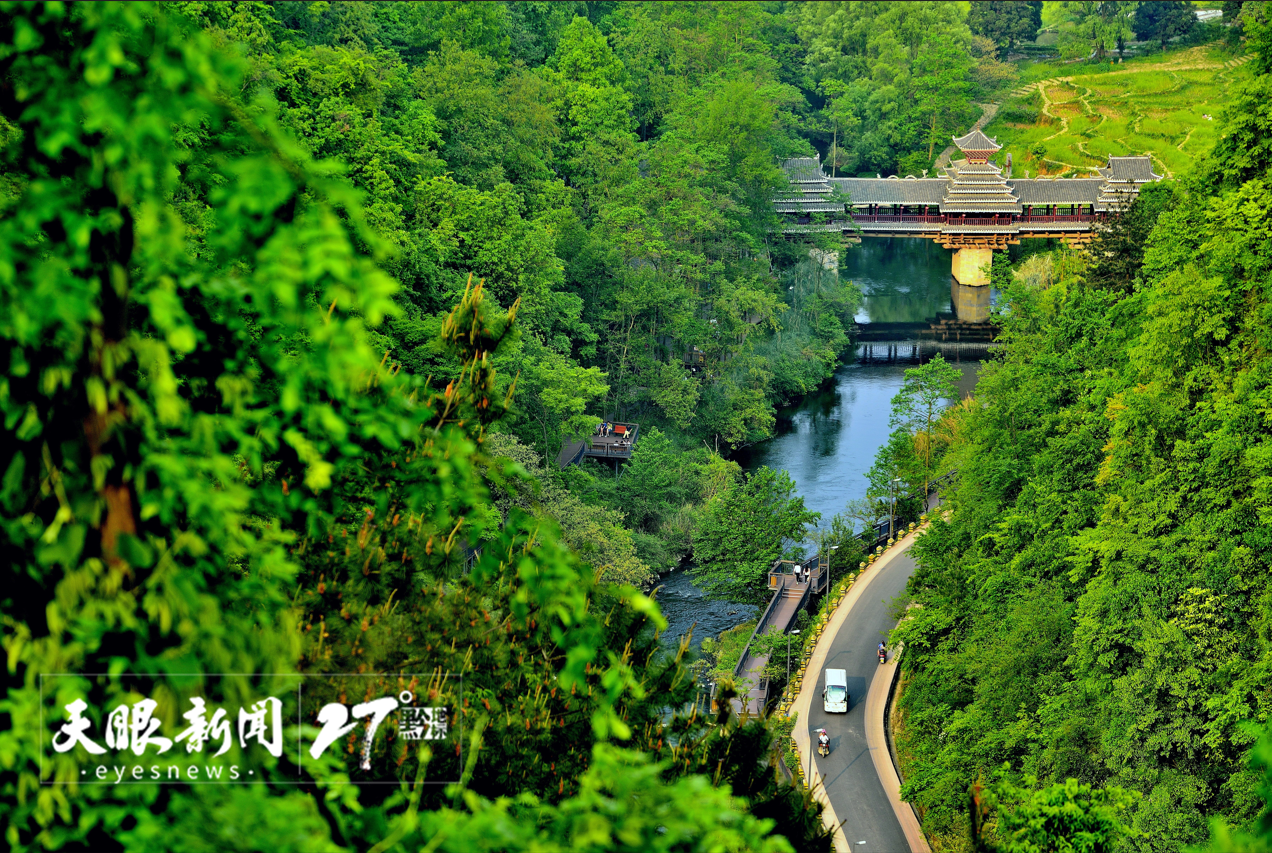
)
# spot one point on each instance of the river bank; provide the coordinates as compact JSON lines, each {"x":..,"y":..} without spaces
{"x":827,"y":441}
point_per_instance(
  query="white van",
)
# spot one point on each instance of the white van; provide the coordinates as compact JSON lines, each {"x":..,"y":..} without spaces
{"x":835,"y":693}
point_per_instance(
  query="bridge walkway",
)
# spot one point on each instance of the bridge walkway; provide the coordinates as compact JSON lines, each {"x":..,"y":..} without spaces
{"x":789,"y":597}
{"x":782,"y":609}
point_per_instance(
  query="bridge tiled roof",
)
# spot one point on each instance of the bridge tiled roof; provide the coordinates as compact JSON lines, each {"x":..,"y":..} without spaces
{"x":804,"y":169}
{"x":931,"y":191}
{"x":1138,"y":169}
{"x":977,"y":178}
{"x":976,"y":141}
{"x":978,"y":188}
{"x":966,"y":188}
{"x":1059,"y":191}
{"x":892,"y":190}
{"x":808,"y":191}
{"x":796,"y":205}
{"x":964,"y":171}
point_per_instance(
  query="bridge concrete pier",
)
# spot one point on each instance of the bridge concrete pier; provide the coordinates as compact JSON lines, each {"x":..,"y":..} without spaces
{"x":969,"y":285}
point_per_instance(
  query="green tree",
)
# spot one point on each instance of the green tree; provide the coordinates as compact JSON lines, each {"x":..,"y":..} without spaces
{"x":744,"y":530}
{"x":657,"y":479}
{"x":1063,"y":817}
{"x":917,"y":407}
{"x":1163,"y":20}
{"x":782,"y":650}
{"x":599,"y":535}
{"x":1243,"y":151}
{"x":594,"y":110}
{"x":941,"y":86}
{"x":556,"y":393}
{"x":875,"y":60}
{"x":1006,"y":23}
{"x":689,"y":815}
{"x":1118,"y":250}
{"x":1257,"y":838}
{"x":172,"y":393}
{"x":197,"y":403}
{"x":1070,"y":597}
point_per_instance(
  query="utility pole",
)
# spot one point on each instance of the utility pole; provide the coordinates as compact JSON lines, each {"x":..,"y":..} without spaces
{"x":788,"y":653}
{"x":834,"y":149}
{"x":892,"y":490}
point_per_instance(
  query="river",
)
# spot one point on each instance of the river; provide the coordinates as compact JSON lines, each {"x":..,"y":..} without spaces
{"x":828,"y":441}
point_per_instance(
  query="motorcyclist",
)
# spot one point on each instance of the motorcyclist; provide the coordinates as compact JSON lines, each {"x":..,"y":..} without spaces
{"x":823,"y":742}
{"x":883,"y":651}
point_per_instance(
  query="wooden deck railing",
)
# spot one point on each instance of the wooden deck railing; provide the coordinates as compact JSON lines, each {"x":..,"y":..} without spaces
{"x":615,"y":445}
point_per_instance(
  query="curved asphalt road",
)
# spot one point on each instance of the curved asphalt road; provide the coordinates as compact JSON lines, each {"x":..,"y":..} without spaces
{"x":849,"y":774}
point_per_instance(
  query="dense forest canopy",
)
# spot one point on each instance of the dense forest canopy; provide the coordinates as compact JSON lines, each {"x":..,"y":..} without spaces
{"x":1093,"y":605}
{"x":610,"y":167}
{"x":302,"y":299}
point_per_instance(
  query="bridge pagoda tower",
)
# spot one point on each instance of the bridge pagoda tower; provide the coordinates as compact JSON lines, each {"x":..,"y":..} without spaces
{"x":978,"y":196}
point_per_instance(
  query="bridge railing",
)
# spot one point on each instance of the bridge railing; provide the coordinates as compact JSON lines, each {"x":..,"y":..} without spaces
{"x":949,"y":219}
{"x":1057,"y":219}
{"x":777,"y":582}
{"x":876,"y":534}
{"x":914,"y":218}
{"x":978,"y":220}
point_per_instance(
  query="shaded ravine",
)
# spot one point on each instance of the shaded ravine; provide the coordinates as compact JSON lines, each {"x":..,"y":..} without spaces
{"x":828,"y":441}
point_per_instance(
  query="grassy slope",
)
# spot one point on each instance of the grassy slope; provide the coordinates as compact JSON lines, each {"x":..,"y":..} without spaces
{"x":1153,"y":105}
{"x":732,"y":644}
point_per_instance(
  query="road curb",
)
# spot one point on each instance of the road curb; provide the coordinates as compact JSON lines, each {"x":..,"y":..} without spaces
{"x":803,"y":700}
{"x":877,"y":742}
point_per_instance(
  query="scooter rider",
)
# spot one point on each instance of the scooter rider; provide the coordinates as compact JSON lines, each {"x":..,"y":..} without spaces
{"x":823,"y":742}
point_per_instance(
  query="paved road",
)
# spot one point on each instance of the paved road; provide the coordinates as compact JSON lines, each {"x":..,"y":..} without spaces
{"x":851,"y":783}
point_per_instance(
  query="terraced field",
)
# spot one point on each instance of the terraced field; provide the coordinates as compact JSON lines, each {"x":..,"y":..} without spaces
{"x":1165,"y":106}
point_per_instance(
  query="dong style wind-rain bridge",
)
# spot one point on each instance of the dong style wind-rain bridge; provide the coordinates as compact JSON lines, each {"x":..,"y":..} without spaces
{"x":973,"y":208}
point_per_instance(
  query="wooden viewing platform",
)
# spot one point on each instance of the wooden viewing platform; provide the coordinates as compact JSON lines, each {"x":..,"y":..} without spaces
{"x":617,"y":445}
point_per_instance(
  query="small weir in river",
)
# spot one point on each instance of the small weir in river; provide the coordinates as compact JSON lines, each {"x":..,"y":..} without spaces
{"x":687,"y":607}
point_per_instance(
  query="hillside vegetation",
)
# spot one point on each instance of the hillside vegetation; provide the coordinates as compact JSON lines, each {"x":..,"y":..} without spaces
{"x":297,"y":304}
{"x":1167,"y":106}
{"x":1095,"y":604}
{"x":299,"y":300}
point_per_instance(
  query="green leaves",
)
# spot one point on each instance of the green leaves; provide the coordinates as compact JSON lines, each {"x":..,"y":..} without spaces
{"x":917,"y":408}
{"x":1093,"y":607}
{"x":1005,"y":23}
{"x":1068,"y":816}
{"x":899,"y":77}
{"x":746,"y":528}
{"x":688,"y":815}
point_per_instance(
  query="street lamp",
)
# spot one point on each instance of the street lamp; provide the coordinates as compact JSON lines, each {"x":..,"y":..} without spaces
{"x":788,"y":653}
{"x":892,"y":490}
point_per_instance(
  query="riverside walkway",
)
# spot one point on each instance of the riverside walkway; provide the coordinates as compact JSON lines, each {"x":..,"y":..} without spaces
{"x":789,"y":597}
